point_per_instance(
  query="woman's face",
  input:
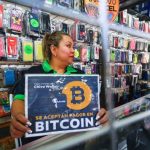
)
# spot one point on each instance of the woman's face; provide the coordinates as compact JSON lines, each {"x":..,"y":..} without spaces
{"x":65,"y":51}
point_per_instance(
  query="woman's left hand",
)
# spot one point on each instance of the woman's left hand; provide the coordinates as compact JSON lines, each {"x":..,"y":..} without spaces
{"x":102,"y":117}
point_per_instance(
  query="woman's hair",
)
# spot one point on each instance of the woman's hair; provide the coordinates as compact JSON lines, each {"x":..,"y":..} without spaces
{"x":51,"y":39}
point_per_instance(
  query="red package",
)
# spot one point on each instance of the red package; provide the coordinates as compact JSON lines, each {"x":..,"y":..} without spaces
{"x":12,"y":45}
{"x":84,"y":54}
{"x":132,"y":44}
{"x":1,"y":16}
{"x":2,"y":48}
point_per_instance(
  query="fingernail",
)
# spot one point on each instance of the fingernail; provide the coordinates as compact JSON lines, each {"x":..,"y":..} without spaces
{"x":97,"y":117}
{"x":97,"y":123}
{"x":29,"y":131}
{"x":28,"y":123}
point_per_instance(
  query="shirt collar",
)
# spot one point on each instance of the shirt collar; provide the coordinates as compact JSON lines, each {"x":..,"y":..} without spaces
{"x":47,"y":68}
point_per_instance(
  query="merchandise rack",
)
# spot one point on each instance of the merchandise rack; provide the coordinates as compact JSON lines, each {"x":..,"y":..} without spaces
{"x":74,"y":15}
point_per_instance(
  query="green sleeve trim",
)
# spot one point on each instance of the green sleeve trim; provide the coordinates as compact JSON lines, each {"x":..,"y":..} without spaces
{"x":19,"y":97}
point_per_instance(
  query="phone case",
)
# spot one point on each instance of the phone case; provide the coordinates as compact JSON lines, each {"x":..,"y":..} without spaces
{"x":88,"y":53}
{"x":34,"y":23}
{"x":84,"y":54}
{"x":112,"y":55}
{"x":53,"y":26}
{"x":9,"y":77}
{"x":77,"y":5}
{"x":1,"y":15}
{"x":90,"y":35}
{"x":96,"y":52}
{"x":27,"y":48}
{"x":77,"y":52}
{"x":45,"y":23}
{"x":38,"y":51}
{"x":12,"y":43}
{"x":65,"y":3}
{"x":65,"y":28}
{"x":16,"y":20}
{"x":80,"y":32}
{"x":2,"y":47}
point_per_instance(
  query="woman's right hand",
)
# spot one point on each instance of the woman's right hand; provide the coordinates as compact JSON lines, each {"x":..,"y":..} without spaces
{"x":19,"y":126}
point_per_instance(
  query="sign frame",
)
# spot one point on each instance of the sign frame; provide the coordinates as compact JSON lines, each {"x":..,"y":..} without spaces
{"x":27,"y":76}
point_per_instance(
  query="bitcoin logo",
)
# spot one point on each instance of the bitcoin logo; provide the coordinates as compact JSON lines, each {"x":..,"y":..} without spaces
{"x":78,"y":95}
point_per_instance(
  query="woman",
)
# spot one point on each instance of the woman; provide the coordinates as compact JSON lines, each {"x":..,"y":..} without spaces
{"x":59,"y":54}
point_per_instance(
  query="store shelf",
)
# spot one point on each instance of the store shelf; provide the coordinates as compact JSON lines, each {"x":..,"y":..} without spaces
{"x":18,"y":63}
{"x":74,"y":15}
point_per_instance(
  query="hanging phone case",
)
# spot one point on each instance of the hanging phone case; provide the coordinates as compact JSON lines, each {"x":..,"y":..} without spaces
{"x":77,"y":5}
{"x":77,"y":49}
{"x":88,"y":70}
{"x":9,"y":77}
{"x":27,"y":48}
{"x":132,"y":44}
{"x":130,"y":56}
{"x":34,"y":23}
{"x":88,"y":53}
{"x":16,"y":20}
{"x":65,"y":28}
{"x":112,"y":55}
{"x":65,"y":3}
{"x":38,"y":51}
{"x":1,"y":15}
{"x":84,"y":54}
{"x":80,"y":32}
{"x":45,"y":23}
{"x":53,"y":26}
{"x":117,"y":56}
{"x":12,"y":46}
{"x":2,"y":47}
{"x":96,"y":52}
{"x":90,"y":35}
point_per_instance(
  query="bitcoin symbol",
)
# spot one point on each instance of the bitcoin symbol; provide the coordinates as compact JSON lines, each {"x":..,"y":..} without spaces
{"x":78,"y":97}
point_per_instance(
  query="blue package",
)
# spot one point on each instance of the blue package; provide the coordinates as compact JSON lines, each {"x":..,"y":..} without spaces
{"x":9,"y":77}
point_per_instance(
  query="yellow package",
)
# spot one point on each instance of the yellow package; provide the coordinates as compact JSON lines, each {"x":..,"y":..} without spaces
{"x":38,"y":51}
{"x":27,"y":47}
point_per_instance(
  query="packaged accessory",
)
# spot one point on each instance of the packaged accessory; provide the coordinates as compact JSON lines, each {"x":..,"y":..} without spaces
{"x":64,"y":3}
{"x":2,"y":47}
{"x":45,"y":22}
{"x":9,"y":77}
{"x":80,"y":32}
{"x":38,"y":53}
{"x":84,"y":54}
{"x":77,"y":5}
{"x":1,"y":15}
{"x":12,"y":47}
{"x":77,"y":52}
{"x":16,"y":20}
{"x":27,"y":50}
{"x":65,"y":28}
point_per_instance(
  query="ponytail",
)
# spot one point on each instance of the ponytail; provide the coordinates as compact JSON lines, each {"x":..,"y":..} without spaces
{"x":51,"y":39}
